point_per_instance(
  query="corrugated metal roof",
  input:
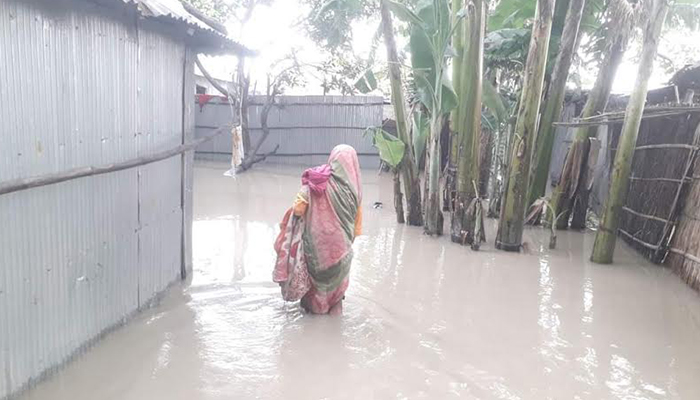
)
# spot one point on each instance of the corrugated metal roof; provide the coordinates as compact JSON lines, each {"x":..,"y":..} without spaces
{"x":169,"y":8}
{"x":175,"y":11}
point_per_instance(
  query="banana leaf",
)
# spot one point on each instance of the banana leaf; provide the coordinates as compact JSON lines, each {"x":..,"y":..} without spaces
{"x":391,"y":149}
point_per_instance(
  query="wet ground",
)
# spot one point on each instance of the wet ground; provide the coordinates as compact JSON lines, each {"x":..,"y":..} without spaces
{"x":423,"y":319}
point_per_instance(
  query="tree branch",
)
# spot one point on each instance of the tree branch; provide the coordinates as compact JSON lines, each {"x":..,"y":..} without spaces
{"x":216,"y":25}
{"x":212,"y":80}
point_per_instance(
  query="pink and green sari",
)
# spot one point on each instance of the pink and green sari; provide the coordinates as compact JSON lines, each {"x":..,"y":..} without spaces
{"x":314,"y":250}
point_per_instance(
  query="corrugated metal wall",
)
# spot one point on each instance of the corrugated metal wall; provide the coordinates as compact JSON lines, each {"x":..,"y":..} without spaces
{"x":564,"y":136}
{"x":301,"y":125}
{"x":79,"y":88}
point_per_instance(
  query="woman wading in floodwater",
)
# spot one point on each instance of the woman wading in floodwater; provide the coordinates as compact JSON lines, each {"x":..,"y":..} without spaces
{"x":314,"y":247}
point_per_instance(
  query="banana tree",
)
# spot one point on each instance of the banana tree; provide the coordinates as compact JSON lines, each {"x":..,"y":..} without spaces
{"x":510,"y":228}
{"x":468,"y":128}
{"x":409,"y":168}
{"x":554,"y":102}
{"x":431,"y":30}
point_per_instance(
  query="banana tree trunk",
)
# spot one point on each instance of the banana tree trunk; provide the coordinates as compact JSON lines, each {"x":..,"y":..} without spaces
{"x":563,"y":194}
{"x":398,"y":197}
{"x":501,"y":154}
{"x":485,"y":159}
{"x":462,"y":229}
{"x":455,"y":114}
{"x":408,"y":166}
{"x":457,"y":67}
{"x":555,"y":99}
{"x":510,"y":226}
{"x":604,"y":245}
{"x":433,"y":215}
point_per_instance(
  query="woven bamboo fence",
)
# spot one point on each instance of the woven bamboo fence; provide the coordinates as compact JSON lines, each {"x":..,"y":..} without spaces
{"x":661,"y":169}
{"x":663,"y":157}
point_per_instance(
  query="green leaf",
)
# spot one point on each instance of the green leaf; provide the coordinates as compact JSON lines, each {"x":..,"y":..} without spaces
{"x":511,"y":14}
{"x":493,"y":101}
{"x":449,"y":96}
{"x":421,"y":128}
{"x":325,"y":7}
{"x":366,"y":83}
{"x":391,"y":149}
{"x":403,"y":13}
{"x":423,"y":57}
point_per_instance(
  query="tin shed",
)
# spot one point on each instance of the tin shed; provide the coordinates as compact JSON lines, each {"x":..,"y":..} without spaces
{"x":91,"y":83}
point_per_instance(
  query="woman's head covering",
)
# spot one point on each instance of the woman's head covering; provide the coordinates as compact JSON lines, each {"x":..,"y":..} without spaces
{"x":347,"y":166}
{"x":346,"y":158}
{"x":316,"y":178}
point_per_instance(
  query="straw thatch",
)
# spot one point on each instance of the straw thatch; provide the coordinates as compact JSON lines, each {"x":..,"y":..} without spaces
{"x":684,"y":249}
{"x":684,"y":257}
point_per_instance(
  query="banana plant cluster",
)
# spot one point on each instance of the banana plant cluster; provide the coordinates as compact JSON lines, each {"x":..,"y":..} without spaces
{"x":431,"y":30}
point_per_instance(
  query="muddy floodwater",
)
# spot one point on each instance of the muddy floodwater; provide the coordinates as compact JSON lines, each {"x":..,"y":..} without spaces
{"x":423,"y":318}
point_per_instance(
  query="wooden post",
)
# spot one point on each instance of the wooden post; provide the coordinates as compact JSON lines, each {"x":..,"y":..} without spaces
{"x":186,"y":190}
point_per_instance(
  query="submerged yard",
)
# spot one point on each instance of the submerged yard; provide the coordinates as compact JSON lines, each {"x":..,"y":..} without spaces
{"x":423,"y":318}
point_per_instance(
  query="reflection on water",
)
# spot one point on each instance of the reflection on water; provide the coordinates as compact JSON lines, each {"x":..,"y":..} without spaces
{"x":424,"y":318}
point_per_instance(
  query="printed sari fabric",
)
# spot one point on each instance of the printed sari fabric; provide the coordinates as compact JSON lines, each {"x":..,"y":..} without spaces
{"x":290,"y":269}
{"x":329,"y":222}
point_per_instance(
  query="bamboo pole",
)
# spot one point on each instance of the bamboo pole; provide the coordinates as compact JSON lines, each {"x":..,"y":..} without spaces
{"x":555,"y":100}
{"x":619,"y":116}
{"x":640,"y":241}
{"x":510,"y":227}
{"x":50,"y":179}
{"x":409,"y":168}
{"x":685,"y":255}
{"x":604,"y":246}
{"x":673,"y":180}
{"x":646,"y":216}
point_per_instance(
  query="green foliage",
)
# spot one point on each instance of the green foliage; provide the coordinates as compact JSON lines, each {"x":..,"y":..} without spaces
{"x":391,"y":149}
{"x":220,"y":10}
{"x":366,"y":83}
{"x":430,"y":31}
{"x":330,"y":21}
{"x":493,"y":101}
{"x":224,"y":10}
{"x":403,"y":13}
{"x":421,"y":130}
{"x":342,"y":72}
{"x":506,"y":48}
{"x":512,"y":14}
